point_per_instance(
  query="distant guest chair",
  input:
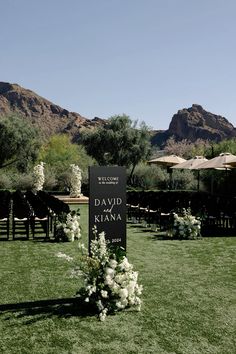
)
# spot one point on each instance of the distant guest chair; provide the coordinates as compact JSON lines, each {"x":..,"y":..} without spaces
{"x":21,"y":214}
{"x":5,"y":210}
{"x":40,"y":217}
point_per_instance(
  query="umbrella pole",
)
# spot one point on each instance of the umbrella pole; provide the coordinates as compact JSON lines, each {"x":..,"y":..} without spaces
{"x":198,"y":180}
{"x":171,"y":177}
{"x":212,"y":182}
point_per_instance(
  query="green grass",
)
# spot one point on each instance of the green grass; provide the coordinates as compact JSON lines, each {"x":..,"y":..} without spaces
{"x":188,"y":299}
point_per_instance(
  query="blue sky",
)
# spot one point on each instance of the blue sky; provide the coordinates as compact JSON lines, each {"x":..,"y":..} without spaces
{"x":145,"y":58}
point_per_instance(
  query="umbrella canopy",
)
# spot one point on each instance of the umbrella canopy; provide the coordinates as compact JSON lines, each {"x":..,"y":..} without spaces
{"x":169,"y":160}
{"x":232,"y":162}
{"x":218,"y":162}
{"x":191,"y":164}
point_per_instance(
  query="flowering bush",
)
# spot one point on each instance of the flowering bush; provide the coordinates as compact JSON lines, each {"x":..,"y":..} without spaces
{"x":38,"y":176}
{"x":186,"y":226}
{"x":111,"y":284}
{"x":75,"y":181}
{"x":67,"y":227}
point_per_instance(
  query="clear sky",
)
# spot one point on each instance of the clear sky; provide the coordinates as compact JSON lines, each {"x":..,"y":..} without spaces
{"x":144,"y":58}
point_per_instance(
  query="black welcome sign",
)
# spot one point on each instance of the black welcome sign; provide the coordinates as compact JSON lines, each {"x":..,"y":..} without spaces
{"x":107,"y":203}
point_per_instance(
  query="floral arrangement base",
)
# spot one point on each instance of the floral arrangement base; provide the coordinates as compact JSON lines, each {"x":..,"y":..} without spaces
{"x":111,"y":284}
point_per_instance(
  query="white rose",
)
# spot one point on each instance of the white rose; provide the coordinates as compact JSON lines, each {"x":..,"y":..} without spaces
{"x":123,"y":293}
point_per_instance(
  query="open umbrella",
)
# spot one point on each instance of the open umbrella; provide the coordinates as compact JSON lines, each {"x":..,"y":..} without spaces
{"x":220,"y":162}
{"x":232,"y":162}
{"x":191,"y":164}
{"x":168,"y":160}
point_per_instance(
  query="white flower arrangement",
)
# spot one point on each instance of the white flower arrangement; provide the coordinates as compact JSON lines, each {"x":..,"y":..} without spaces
{"x":111,"y":284}
{"x":186,"y":226}
{"x":68,"y":227}
{"x":75,"y":181}
{"x":38,"y":176}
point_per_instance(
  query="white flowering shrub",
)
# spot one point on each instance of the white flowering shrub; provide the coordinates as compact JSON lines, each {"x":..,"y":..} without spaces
{"x":111,"y":284}
{"x":75,"y":181}
{"x":38,"y":176}
{"x":186,"y":226}
{"x":68,"y":227}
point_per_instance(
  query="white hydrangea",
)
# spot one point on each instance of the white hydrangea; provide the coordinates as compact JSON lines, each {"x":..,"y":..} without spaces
{"x":38,"y":176}
{"x":104,"y":294}
{"x":71,"y":227}
{"x":186,"y":226}
{"x":75,"y":181}
{"x":110,"y":280}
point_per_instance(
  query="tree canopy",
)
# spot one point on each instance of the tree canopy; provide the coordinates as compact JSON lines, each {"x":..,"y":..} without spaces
{"x":119,"y":142}
{"x":227,"y":145}
{"x":19,"y":142}
{"x":59,"y":152}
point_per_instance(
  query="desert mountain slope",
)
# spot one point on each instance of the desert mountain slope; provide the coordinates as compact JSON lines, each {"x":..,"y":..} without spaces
{"x":195,"y":123}
{"x":50,"y":118}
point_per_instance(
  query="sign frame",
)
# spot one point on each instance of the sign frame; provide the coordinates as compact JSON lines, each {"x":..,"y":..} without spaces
{"x":107,"y":204}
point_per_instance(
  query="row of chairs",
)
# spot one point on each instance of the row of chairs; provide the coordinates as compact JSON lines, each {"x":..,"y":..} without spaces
{"x":23,"y":213}
{"x":149,"y":217}
{"x":5,"y":207}
{"x":218,"y":216}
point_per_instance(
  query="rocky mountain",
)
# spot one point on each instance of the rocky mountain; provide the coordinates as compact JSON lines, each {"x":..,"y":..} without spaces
{"x":195,"y":123}
{"x":189,"y":123}
{"x":47,"y":116}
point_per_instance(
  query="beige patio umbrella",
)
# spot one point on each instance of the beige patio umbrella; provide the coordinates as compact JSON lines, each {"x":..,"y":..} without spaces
{"x":232,"y":162}
{"x":168,"y":160}
{"x":191,"y":164}
{"x":220,"y":162}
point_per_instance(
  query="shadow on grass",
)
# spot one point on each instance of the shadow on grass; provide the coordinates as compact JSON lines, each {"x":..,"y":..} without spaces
{"x":42,"y":309}
{"x":154,"y":234}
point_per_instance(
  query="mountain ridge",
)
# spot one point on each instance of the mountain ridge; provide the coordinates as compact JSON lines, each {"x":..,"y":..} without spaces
{"x":188,"y":123}
{"x":49,"y":117}
{"x":196,"y":123}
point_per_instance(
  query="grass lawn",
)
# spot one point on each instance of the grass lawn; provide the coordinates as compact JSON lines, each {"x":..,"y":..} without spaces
{"x":188,"y":299}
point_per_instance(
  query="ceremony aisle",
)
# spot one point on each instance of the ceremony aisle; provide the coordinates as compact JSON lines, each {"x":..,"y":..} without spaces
{"x":188,"y":298}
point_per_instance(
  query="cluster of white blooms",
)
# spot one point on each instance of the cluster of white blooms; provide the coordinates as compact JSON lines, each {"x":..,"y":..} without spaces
{"x":75,"y":181}
{"x":70,"y":227}
{"x":110,"y":281}
{"x":38,"y":176}
{"x":186,"y":226}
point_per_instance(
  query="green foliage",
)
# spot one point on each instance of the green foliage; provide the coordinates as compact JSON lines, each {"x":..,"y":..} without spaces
{"x":149,"y":177}
{"x":119,"y":142}
{"x":228,"y":145}
{"x":5,"y":180}
{"x":51,"y":181}
{"x":22,"y":181}
{"x":156,"y":177}
{"x":183,"y":179}
{"x":59,"y":152}
{"x":19,"y":142}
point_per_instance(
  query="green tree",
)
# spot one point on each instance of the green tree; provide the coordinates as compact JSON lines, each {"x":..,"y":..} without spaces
{"x":227,"y":145}
{"x":119,"y":142}
{"x":59,"y":152}
{"x":19,"y":142}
